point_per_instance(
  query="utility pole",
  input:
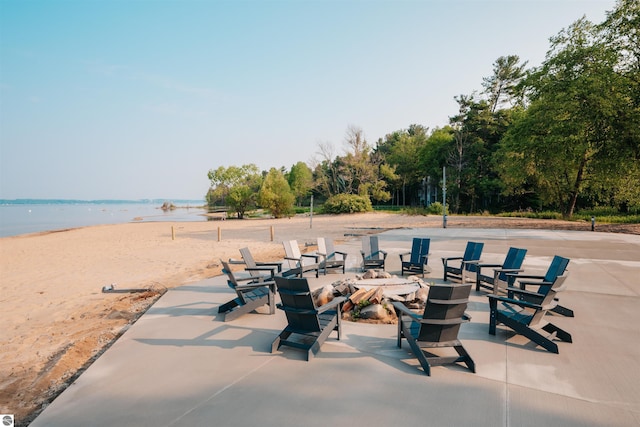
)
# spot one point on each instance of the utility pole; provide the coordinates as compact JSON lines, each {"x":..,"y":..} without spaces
{"x":311,"y":214}
{"x":444,"y":197}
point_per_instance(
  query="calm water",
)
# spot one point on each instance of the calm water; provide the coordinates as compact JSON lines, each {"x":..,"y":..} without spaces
{"x":30,"y":216}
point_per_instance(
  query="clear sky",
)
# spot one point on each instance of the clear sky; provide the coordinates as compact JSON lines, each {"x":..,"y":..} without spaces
{"x":139,"y":99}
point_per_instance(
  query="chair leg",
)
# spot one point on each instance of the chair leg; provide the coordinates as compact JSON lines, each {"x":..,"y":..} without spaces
{"x":567,"y":312}
{"x":467,"y":360}
{"x":493,"y":317}
{"x":560,"y":333}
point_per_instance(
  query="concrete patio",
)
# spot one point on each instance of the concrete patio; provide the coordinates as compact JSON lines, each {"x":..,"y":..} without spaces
{"x":180,"y":365}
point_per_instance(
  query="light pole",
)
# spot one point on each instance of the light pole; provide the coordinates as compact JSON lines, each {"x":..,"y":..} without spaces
{"x":444,"y":197}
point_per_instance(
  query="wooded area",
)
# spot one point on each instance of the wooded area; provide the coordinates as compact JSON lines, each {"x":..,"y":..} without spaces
{"x":561,"y":136}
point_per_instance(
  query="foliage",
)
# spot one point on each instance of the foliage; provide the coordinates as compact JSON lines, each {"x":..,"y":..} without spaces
{"x":577,"y":98}
{"x":234,"y":186}
{"x":276,"y":195}
{"x":400,"y":150}
{"x":435,"y":208}
{"x":562,"y":136}
{"x":300,"y":179}
{"x":347,"y":203}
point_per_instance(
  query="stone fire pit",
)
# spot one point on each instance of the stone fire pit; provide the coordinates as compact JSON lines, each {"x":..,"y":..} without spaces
{"x":369,"y":295}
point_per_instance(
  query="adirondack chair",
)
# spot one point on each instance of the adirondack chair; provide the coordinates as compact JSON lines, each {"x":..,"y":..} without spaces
{"x":499,"y":279}
{"x":438,"y":326}
{"x":259,"y":269}
{"x":557,"y":268}
{"x":331,"y":259}
{"x":299,"y":263}
{"x":308,"y":326}
{"x":251,"y":293}
{"x":467,"y":265}
{"x":527,"y":318}
{"x":372,"y":256}
{"x":418,"y":258}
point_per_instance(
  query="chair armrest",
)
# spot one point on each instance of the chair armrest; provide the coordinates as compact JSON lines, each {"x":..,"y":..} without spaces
{"x":404,"y":255}
{"x":521,"y":303}
{"x":476,"y":262}
{"x":400,"y":307}
{"x":271,"y":270}
{"x":508,"y":270}
{"x":489,"y":265}
{"x":529,"y":276}
{"x":451,"y":258}
{"x":314,"y":256}
{"x":250,"y":286}
{"x":267,"y":264}
{"x":236,"y":261}
{"x":525,"y":283}
{"x":344,"y":254}
{"x":331,"y":304}
{"x":512,"y":290}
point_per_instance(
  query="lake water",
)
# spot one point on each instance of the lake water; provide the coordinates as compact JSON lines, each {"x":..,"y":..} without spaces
{"x":31,"y":216}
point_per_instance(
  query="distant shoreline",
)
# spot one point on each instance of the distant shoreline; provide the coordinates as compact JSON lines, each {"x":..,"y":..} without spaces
{"x":27,"y":216}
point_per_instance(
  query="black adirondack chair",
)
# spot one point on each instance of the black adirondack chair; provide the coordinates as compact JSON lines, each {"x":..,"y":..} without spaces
{"x":308,"y":326}
{"x":557,"y":268}
{"x":331,"y":259}
{"x":499,"y":279}
{"x":251,"y":293}
{"x":437,"y":328}
{"x":463,"y":266}
{"x":372,"y":256}
{"x":527,"y":318}
{"x":415,"y":262}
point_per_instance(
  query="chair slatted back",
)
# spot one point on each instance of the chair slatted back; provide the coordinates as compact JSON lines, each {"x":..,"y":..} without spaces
{"x":549,"y":301}
{"x":371,"y":248}
{"x":292,"y":250}
{"x":557,"y":268}
{"x":513,"y":260}
{"x":445,"y":306}
{"x":249,"y":261}
{"x":297,"y":303}
{"x":325,"y":246}
{"x":472,"y":252}
{"x":419,"y":250}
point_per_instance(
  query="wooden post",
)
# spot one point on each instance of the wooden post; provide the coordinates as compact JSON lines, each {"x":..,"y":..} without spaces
{"x":272,"y":233}
{"x":219,"y":234}
{"x":173,"y":233}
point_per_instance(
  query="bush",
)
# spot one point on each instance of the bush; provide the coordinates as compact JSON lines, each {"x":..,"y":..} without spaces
{"x":347,"y":203}
{"x":435,"y":208}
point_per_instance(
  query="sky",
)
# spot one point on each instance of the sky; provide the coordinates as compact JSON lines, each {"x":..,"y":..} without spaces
{"x":137,"y":99}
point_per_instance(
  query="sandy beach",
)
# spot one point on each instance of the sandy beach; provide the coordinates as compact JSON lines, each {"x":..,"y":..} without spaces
{"x":56,"y":319}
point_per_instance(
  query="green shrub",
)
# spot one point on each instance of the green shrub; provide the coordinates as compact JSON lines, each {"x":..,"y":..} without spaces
{"x":435,"y":208}
{"x":347,"y":203}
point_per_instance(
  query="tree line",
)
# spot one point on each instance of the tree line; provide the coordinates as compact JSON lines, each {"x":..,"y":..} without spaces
{"x":561,"y":136}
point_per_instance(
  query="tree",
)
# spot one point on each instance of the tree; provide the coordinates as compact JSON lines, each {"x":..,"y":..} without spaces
{"x":501,"y":86}
{"x":234,"y":186}
{"x":300,"y":180}
{"x":567,"y":138}
{"x":360,"y":169}
{"x":400,"y":150}
{"x":275,"y":194}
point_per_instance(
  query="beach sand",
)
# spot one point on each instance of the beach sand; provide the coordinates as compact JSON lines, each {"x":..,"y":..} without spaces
{"x":56,"y":320}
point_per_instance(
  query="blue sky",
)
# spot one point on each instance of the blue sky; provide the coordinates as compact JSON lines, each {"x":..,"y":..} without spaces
{"x":139,"y":99}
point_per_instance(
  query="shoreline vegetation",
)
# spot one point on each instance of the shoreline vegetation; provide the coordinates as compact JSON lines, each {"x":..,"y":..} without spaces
{"x":57,"y":320}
